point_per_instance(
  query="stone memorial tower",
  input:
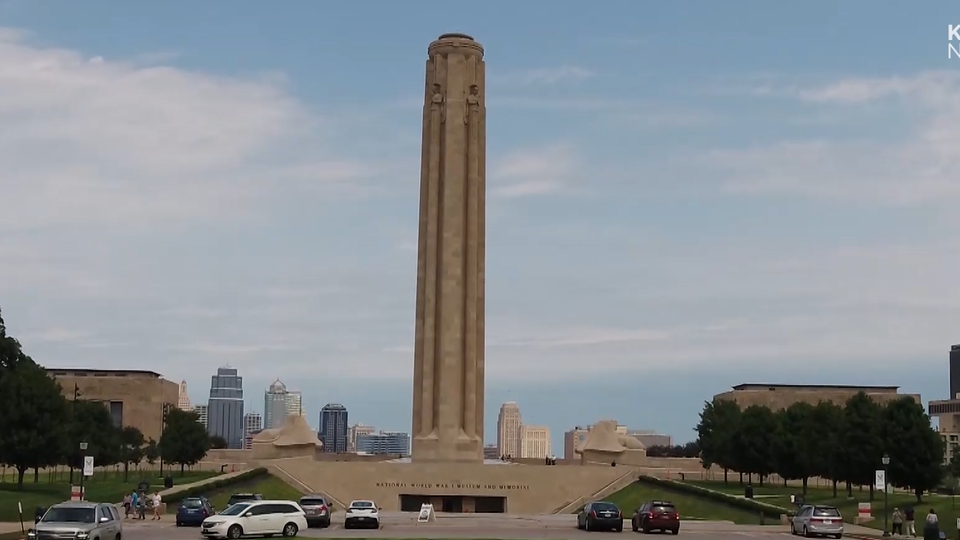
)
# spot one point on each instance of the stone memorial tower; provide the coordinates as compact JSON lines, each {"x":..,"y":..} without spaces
{"x":448,"y":379}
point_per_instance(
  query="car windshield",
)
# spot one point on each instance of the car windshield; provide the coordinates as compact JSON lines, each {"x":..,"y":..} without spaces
{"x":605,"y":507}
{"x":191,"y":503}
{"x":826,"y":511}
{"x":66,"y":514}
{"x":234,"y":509}
{"x":312,"y":502}
{"x":361,"y":504}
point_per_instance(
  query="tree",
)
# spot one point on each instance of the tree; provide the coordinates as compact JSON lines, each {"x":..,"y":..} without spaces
{"x":861,"y":436}
{"x":151,"y":452}
{"x":829,"y":454}
{"x":915,"y":449}
{"x":93,"y":425}
{"x":131,"y":448}
{"x":754,"y":441}
{"x":218,"y":442}
{"x":794,"y":454}
{"x":719,"y":422}
{"x":34,"y":413}
{"x":953,"y":468}
{"x":184,"y":440}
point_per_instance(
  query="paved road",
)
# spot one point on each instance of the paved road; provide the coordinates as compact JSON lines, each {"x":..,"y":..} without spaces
{"x":493,"y":527}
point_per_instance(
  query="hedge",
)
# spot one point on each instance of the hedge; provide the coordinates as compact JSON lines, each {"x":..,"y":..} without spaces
{"x":720,"y":497}
{"x":196,"y":491}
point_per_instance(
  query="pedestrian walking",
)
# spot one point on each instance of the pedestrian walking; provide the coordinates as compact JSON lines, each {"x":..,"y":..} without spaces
{"x":897,"y":522}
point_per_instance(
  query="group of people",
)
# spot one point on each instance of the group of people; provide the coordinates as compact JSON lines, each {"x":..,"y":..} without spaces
{"x":138,"y":502}
{"x":904,"y":524}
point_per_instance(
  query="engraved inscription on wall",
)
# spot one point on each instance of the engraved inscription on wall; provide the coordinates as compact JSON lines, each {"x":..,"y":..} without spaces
{"x":453,"y":485}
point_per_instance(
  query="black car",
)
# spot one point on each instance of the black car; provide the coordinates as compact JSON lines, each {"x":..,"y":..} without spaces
{"x":241,"y":497}
{"x":599,"y":516}
{"x":193,"y":510}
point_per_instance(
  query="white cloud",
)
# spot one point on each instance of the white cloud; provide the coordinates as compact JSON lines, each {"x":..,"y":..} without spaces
{"x":91,"y":140}
{"x":533,"y":171}
{"x":917,"y":168}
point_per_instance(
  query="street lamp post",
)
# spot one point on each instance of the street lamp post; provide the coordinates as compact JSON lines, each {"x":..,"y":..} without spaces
{"x":886,"y":529}
{"x":163,"y":427}
{"x":83,"y":462}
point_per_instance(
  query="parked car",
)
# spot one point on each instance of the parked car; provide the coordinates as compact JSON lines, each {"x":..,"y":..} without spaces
{"x":317,"y":510}
{"x":256,"y":518}
{"x":817,"y":520}
{"x":241,"y":497}
{"x":656,"y":516}
{"x":364,"y":514}
{"x":598,"y":516}
{"x":78,"y":520}
{"x":193,"y":510}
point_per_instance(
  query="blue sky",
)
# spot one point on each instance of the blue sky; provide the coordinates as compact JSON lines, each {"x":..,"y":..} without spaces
{"x":683,"y":196}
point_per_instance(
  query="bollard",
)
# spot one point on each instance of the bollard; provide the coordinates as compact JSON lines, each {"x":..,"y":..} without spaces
{"x":763,"y":518}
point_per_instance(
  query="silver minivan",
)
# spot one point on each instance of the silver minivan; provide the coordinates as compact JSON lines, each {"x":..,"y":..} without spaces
{"x":817,"y":520}
{"x":78,"y":520}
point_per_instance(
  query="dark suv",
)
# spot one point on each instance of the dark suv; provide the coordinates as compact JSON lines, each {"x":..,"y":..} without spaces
{"x":602,"y":515}
{"x":316,"y":509}
{"x":242,"y":497}
{"x":656,"y":515}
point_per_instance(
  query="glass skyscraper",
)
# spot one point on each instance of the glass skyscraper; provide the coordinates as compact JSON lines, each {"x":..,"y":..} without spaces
{"x":225,"y":409}
{"x":385,"y":442}
{"x":333,"y":428}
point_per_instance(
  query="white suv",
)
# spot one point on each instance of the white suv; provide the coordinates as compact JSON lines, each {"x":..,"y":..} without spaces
{"x":364,"y":514}
{"x":256,"y":518}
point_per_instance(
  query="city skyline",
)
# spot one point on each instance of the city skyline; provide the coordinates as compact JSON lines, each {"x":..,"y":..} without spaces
{"x":678,"y":219}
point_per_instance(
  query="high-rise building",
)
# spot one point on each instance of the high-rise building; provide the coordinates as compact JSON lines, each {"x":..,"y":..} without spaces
{"x":333,"y":428}
{"x":572,"y":440}
{"x":252,"y":423}
{"x":278,"y":403}
{"x":534,"y":441}
{"x":275,"y":405}
{"x":385,"y":442}
{"x":355,"y":431}
{"x":954,"y":371}
{"x":183,"y":402}
{"x":490,"y":452}
{"x":201,"y":411}
{"x":508,"y":430}
{"x":295,"y":403}
{"x":225,"y":408}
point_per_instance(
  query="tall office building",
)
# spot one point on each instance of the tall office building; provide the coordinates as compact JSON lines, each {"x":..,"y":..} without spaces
{"x":225,"y":408}
{"x":354,"y":432}
{"x":534,"y":441}
{"x":385,"y":442}
{"x":252,"y":423}
{"x":295,"y":403}
{"x":572,"y":440}
{"x":508,"y":430}
{"x":201,"y":411}
{"x":183,"y":402}
{"x":278,"y":403}
{"x":333,"y":428}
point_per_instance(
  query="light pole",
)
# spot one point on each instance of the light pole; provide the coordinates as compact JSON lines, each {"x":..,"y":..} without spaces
{"x":163,"y":427}
{"x":886,"y":529}
{"x":83,"y":473}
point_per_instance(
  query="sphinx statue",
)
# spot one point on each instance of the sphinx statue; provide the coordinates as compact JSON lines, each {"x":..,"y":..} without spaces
{"x":604,"y":445}
{"x":293,"y":439}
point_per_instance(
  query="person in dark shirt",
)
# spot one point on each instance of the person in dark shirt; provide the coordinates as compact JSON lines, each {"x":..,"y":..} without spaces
{"x":908,"y":518}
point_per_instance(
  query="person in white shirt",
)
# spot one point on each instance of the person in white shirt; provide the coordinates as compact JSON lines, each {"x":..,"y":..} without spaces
{"x":156,"y":505}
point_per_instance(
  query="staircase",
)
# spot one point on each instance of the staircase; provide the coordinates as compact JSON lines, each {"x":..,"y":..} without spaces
{"x":281,"y":473}
{"x":619,"y":483}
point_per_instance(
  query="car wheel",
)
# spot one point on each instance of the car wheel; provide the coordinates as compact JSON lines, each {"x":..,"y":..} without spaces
{"x":645,"y":527}
{"x":793,"y":529}
{"x":675,"y":531}
{"x":290,"y":530}
{"x":235,"y":532}
{"x":633,"y":525}
{"x":806,"y":533}
{"x":619,"y":528}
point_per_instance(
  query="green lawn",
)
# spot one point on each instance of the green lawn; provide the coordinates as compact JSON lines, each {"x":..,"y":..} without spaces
{"x":947,"y":508}
{"x":689,"y":506}
{"x":102,"y":487}
{"x":269,"y":486}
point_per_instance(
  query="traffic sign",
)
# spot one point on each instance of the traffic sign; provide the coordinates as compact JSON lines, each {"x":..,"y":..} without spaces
{"x":880,"y":480}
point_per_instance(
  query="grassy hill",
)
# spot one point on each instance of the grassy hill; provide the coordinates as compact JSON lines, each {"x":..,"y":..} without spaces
{"x":690,"y":506}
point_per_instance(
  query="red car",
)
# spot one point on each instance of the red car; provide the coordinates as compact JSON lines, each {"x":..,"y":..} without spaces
{"x":656,"y":516}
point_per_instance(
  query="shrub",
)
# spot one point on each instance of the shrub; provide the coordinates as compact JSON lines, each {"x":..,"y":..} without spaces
{"x":720,"y":497}
{"x":221,"y":483}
